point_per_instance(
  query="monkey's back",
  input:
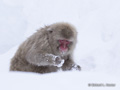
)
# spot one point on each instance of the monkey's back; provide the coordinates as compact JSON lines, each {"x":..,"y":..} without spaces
{"x":19,"y":62}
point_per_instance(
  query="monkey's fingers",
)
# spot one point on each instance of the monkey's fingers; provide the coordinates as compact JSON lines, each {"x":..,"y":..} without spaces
{"x":59,"y":62}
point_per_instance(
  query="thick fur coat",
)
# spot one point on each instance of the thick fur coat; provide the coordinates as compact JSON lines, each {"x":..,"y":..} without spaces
{"x":40,"y":53}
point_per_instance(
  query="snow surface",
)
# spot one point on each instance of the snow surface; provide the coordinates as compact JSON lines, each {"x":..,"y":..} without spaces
{"x":97,"y":51}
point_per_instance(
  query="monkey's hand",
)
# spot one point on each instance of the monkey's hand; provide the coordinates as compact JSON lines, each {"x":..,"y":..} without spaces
{"x":59,"y":62}
{"x":76,"y":67}
{"x":55,"y":60}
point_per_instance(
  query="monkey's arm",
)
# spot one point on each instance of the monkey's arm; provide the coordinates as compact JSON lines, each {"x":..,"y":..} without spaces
{"x":42,"y":59}
{"x":70,"y":64}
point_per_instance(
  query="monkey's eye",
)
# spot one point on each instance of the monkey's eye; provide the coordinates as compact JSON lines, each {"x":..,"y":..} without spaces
{"x":50,"y":31}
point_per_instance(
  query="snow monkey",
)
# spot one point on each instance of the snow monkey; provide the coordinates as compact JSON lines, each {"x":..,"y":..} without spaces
{"x":48,"y":50}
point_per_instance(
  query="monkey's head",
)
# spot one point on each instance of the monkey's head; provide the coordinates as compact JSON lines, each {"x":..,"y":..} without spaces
{"x":62,"y":38}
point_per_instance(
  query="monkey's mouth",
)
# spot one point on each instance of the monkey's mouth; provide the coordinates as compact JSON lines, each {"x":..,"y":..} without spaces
{"x":63,"y":47}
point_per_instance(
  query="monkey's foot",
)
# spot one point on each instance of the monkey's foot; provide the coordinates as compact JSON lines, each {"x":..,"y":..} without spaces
{"x":76,"y":67}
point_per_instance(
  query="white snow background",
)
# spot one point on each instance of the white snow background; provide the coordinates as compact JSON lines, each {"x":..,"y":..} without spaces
{"x":97,"y":51}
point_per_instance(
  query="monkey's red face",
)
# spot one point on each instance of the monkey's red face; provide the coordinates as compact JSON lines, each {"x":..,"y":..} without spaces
{"x":64,"y":44}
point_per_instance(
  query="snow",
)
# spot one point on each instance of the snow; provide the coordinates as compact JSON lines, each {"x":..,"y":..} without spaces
{"x":55,"y":81}
{"x":97,"y":51}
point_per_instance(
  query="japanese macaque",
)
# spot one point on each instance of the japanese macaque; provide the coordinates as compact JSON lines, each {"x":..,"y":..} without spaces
{"x":48,"y":50}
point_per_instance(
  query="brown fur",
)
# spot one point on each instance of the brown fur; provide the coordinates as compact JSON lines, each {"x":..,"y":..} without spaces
{"x":36,"y":54}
